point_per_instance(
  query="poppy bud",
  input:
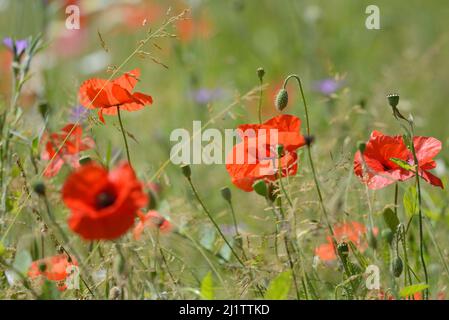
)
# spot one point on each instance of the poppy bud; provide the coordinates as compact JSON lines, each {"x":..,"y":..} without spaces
{"x":260,"y":187}
{"x":39,"y":188}
{"x":393,"y":99}
{"x":42,"y":267}
{"x":226,"y":194}
{"x":361,"y":145}
{"x":84,"y":160}
{"x":343,"y":250}
{"x":397,"y":267}
{"x":44,"y":109}
{"x":186,"y":171}
{"x":309,"y":140}
{"x":281,"y":100}
{"x":260,"y":73}
{"x":387,"y":235}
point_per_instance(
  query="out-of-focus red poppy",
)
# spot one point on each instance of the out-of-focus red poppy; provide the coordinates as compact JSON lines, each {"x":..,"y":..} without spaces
{"x":70,"y":142}
{"x":191,"y":28}
{"x":377,"y":170}
{"x":56,"y":268}
{"x":255,"y":157}
{"x":152,"y":219}
{"x":103,"y":204}
{"x":135,"y":16}
{"x":352,"y":231}
{"x":108,"y":96}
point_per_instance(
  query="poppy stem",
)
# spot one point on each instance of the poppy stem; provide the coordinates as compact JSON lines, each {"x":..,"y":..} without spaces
{"x":124,"y":135}
{"x":213,"y":221}
{"x":260,"y":100}
{"x":309,"y":152}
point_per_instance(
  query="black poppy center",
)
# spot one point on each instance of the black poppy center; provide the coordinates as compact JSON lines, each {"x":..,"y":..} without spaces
{"x":104,"y":199}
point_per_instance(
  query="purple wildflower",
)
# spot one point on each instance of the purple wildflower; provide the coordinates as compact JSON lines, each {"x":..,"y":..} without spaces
{"x":78,"y":114}
{"x":328,"y":86}
{"x":21,"y":45}
{"x":205,"y":96}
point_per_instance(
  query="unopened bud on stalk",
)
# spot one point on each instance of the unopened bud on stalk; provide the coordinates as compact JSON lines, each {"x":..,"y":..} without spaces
{"x":226,"y":194}
{"x":280,"y":150}
{"x":186,"y":171}
{"x":261,"y":188}
{"x":361,"y":145}
{"x":84,"y":160}
{"x":44,"y":109}
{"x":281,"y":101}
{"x":397,"y":267}
{"x":260,"y":73}
{"x":39,"y":188}
{"x":387,"y":235}
{"x":309,"y":140}
{"x":372,"y":240}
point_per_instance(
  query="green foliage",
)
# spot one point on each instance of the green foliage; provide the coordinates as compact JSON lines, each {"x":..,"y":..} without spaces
{"x":279,"y":287}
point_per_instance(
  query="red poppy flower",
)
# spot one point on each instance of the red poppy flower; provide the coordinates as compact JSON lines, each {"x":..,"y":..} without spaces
{"x":351,"y":231}
{"x":103,"y":204}
{"x":255,"y":158}
{"x":70,"y":141}
{"x":56,"y":268}
{"x":108,"y":96}
{"x":151,"y":219}
{"x":378,"y":171}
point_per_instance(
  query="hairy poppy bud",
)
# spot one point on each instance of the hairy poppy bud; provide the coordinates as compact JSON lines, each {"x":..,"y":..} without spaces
{"x":260,"y":73}
{"x":39,"y":188}
{"x":84,"y":160}
{"x":309,"y":140}
{"x":226,"y":194}
{"x":361,"y":146}
{"x":281,"y":101}
{"x":260,"y":187}
{"x":186,"y":171}
{"x":387,"y":236}
{"x":44,"y":109}
{"x":397,"y":267}
{"x":393,"y":99}
{"x":343,"y":250}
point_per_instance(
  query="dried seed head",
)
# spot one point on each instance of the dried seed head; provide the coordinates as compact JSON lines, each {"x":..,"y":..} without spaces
{"x":281,"y":101}
{"x":393,"y":99}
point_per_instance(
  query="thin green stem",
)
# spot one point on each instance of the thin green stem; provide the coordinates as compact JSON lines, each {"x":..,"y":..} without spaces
{"x":260,"y":101}
{"x":213,"y":222}
{"x":124,"y":135}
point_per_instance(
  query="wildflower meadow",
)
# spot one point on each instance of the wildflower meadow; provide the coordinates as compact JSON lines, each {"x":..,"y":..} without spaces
{"x":224,"y":150}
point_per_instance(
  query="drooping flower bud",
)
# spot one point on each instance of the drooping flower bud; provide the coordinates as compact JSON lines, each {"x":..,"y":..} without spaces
{"x":397,"y":267}
{"x":372,"y":240}
{"x":387,"y":235}
{"x":226,"y":194}
{"x":361,"y":146}
{"x":186,"y":171}
{"x":309,"y":140}
{"x":281,"y":101}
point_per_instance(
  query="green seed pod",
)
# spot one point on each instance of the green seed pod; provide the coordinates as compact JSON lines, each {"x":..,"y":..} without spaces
{"x":260,"y":73}
{"x":393,"y":99}
{"x":343,"y":250}
{"x":186,"y":171}
{"x":397,"y":267}
{"x":226,"y":194}
{"x":281,"y":101}
{"x":387,"y":235}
